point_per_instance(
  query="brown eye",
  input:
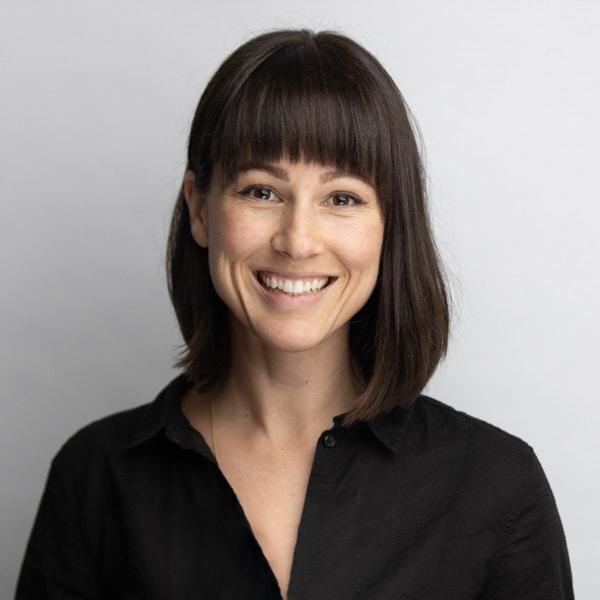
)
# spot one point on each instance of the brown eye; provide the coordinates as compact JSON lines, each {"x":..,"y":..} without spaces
{"x":342,"y":200}
{"x":263,"y":194}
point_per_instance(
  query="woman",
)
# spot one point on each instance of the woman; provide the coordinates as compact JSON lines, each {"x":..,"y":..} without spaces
{"x":294,"y":456}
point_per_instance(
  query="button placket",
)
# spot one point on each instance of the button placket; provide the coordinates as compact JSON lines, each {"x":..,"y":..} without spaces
{"x":309,"y":555}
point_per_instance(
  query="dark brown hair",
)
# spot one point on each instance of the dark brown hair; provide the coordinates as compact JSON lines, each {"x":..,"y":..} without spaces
{"x":323,"y":98}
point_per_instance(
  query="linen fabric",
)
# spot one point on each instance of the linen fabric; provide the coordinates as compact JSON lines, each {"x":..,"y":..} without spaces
{"x":419,"y":504}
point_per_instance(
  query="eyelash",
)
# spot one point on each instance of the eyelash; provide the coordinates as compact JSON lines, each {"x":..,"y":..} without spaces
{"x":351,"y":198}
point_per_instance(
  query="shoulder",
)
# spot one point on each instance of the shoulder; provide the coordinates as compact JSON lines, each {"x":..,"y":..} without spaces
{"x":497,"y":486}
{"x":105,"y":438}
{"x":500,"y":486}
{"x":485,"y":455}
{"x":440,"y":423}
{"x":494,"y":474}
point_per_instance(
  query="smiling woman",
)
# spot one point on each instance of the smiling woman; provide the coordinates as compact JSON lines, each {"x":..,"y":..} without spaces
{"x":321,"y":99}
{"x":295,"y":457}
{"x":294,"y":254}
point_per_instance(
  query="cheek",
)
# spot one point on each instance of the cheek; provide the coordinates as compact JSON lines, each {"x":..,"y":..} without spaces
{"x":233,"y":236}
{"x":363,"y":250}
{"x":233,"y":239}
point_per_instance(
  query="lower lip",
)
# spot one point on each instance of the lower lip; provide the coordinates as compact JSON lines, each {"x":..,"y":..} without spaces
{"x":280,"y":299}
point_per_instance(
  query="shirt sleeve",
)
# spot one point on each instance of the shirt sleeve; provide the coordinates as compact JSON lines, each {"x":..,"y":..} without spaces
{"x":532,"y":561}
{"x":57,"y":564}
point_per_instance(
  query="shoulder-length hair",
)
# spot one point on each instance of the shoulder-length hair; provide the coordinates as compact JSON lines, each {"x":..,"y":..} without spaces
{"x":323,"y":98}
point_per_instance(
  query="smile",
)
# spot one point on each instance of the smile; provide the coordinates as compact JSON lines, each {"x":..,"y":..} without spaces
{"x":292,"y":287}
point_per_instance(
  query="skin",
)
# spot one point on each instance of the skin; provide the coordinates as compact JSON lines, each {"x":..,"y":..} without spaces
{"x":300,"y":226}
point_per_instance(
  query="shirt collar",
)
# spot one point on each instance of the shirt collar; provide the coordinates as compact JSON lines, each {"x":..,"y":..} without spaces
{"x":161,"y":415}
{"x":164,"y":414}
{"x":390,"y":427}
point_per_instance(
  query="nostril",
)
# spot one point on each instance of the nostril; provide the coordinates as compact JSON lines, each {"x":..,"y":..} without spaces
{"x":298,"y":238}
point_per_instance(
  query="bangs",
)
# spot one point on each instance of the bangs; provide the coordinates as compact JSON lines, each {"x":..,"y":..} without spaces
{"x":303,"y":103}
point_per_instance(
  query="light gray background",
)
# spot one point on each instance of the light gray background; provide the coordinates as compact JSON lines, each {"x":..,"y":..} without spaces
{"x":96,"y":101}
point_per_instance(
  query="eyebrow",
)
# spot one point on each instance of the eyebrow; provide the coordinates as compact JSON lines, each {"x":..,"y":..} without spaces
{"x":283,"y":174}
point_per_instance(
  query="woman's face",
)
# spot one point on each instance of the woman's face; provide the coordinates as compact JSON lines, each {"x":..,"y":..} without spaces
{"x":293,"y":249}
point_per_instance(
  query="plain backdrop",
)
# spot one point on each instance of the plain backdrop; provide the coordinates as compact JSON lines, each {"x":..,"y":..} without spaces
{"x":96,"y":100}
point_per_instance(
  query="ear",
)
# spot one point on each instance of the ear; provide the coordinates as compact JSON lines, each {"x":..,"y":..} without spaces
{"x":196,"y":203}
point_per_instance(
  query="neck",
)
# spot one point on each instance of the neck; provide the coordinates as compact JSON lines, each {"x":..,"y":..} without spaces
{"x":289,"y":393}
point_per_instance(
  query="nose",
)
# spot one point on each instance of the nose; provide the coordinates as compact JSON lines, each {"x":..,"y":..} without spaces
{"x":299,"y":232}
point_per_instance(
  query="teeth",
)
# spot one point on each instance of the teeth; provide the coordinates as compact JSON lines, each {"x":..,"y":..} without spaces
{"x":294,"y":287}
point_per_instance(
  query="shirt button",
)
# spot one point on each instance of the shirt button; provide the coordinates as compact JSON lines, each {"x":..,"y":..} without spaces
{"x":329,"y":440}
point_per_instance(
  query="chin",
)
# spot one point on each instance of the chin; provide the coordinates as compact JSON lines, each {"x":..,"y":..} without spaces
{"x":299,"y":338}
{"x":294,"y":347}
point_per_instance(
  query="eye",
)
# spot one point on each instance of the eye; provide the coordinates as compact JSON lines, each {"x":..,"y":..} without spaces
{"x":343,"y":199}
{"x":264,"y":194}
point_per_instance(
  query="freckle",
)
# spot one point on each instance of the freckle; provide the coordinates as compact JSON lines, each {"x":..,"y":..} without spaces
{"x":305,"y":381}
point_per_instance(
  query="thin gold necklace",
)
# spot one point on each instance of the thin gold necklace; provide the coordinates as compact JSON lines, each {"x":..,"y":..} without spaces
{"x":212,"y":432}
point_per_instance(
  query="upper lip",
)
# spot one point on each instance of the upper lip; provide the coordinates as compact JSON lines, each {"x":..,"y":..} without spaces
{"x":292,"y":275}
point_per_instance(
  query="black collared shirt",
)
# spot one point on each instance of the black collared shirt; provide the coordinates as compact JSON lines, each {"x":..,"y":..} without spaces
{"x":420,"y":504}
